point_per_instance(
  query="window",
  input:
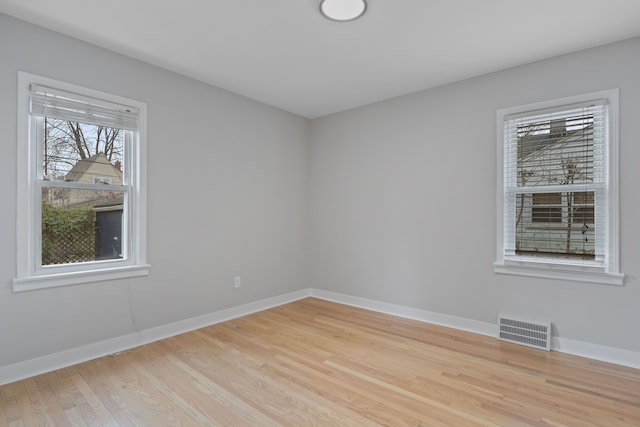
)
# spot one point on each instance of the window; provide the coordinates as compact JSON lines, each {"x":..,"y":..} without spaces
{"x":559,"y":189}
{"x":546,"y":207}
{"x":103,"y":179}
{"x":81,"y":185}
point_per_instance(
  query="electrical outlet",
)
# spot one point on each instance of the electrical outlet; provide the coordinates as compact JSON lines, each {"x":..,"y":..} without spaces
{"x":237,"y":281}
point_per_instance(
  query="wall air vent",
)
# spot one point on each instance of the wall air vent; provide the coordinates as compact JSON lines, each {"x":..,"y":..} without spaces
{"x":531,"y":334}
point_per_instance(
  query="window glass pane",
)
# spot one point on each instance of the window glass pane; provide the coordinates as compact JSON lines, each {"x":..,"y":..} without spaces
{"x":583,"y":197}
{"x":556,"y":152}
{"x":81,"y":225}
{"x":80,"y":152}
{"x":584,"y":215}
{"x":583,"y":207}
{"x":552,"y":224}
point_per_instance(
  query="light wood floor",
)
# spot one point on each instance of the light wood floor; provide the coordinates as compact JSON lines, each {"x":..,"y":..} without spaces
{"x":316,"y":363}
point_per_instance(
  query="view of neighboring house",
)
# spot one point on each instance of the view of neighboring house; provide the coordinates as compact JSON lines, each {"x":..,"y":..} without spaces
{"x":560,"y":222}
{"x":96,"y":170}
{"x":107,"y":205}
{"x":93,"y":170}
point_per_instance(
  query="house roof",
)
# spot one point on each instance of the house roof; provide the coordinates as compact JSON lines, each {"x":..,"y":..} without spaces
{"x":111,"y":204}
{"x":96,"y":165}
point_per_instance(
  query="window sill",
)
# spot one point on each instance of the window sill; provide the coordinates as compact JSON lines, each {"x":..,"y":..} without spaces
{"x":549,"y":270}
{"x":23,"y":284}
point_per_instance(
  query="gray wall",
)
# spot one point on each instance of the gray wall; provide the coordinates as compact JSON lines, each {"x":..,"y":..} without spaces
{"x":228,"y":194}
{"x":404,"y":200}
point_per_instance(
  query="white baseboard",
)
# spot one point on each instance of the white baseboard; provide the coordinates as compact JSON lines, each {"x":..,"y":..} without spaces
{"x":597,"y":352}
{"x":63,"y":359}
{"x":449,"y":321}
{"x":51,"y":362}
{"x":48,"y":363}
{"x":563,"y":345}
{"x":187,"y":325}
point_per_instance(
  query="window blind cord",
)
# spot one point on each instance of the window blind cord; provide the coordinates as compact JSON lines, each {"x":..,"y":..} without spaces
{"x":134,"y":324}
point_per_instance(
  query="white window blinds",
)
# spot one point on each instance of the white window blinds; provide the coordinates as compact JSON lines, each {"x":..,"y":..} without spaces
{"x":555,"y":182}
{"x":54,"y":103}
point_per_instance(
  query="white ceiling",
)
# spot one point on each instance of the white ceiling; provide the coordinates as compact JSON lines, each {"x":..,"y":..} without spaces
{"x":284,"y":53}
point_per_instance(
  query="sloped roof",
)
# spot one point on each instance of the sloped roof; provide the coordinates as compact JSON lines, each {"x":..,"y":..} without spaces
{"x":83,"y":166}
{"x":117,"y":202}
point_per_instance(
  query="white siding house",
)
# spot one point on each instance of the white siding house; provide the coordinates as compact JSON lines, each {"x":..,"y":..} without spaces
{"x":552,"y":220}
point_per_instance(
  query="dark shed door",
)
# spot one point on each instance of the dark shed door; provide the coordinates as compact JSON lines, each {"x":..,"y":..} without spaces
{"x":109,"y":234}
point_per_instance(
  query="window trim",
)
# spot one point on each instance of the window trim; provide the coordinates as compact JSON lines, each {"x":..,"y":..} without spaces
{"x":550,"y":268}
{"x":28,"y":276}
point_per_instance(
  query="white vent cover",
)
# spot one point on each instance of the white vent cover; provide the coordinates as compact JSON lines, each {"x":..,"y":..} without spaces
{"x":531,"y":334}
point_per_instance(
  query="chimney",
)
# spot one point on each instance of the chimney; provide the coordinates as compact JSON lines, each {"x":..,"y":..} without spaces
{"x":118,"y":165}
{"x":558,"y":127}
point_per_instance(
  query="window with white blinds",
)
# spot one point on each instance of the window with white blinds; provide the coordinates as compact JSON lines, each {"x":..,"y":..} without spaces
{"x":58,"y":104}
{"x":559,"y":188}
{"x":81,"y":185}
{"x":554,"y":174}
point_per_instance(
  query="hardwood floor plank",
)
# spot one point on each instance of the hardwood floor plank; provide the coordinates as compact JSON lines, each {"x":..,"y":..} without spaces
{"x":279,"y":399}
{"x":100,"y":415}
{"x":42,"y":391}
{"x":95,"y":374}
{"x":215,"y":401}
{"x":9,"y":406}
{"x":31,"y":412}
{"x":313,"y":362}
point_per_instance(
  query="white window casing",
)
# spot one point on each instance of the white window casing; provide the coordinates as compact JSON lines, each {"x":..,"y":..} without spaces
{"x":524,"y":244}
{"x":40,"y":97}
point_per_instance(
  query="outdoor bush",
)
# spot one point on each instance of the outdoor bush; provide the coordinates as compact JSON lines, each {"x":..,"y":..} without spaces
{"x":68,"y":234}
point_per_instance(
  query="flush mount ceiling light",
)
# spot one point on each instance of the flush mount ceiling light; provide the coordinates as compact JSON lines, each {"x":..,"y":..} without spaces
{"x":343,"y":10}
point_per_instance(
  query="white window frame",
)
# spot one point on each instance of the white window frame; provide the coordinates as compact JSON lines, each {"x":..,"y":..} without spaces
{"x":30,"y":275}
{"x":606,"y":271}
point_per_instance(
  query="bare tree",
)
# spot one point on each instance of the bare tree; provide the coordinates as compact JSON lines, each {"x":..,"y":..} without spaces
{"x":524,"y":133}
{"x":68,"y":142}
{"x":571,"y":172}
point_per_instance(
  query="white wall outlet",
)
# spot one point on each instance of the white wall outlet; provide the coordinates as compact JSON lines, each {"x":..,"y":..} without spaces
{"x":237,"y":281}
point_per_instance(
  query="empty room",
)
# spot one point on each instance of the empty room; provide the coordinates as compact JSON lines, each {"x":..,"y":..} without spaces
{"x":320,"y":213}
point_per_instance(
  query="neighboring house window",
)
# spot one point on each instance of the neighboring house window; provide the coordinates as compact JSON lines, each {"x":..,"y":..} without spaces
{"x":546,"y":207}
{"x":81,"y":185}
{"x":102,"y":180}
{"x":559,"y":203}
